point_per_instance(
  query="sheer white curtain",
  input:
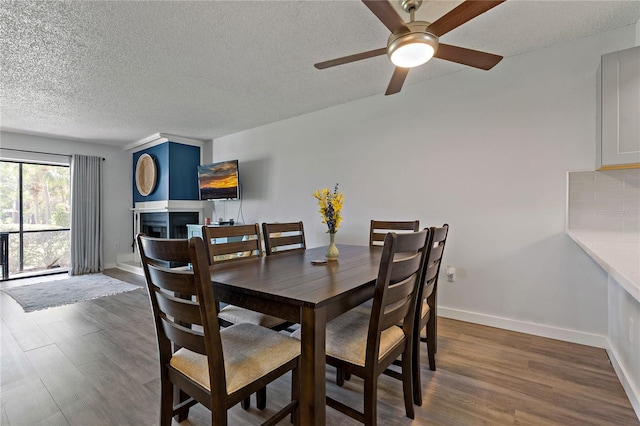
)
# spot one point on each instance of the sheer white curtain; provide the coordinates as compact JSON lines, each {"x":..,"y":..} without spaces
{"x":86,"y":215}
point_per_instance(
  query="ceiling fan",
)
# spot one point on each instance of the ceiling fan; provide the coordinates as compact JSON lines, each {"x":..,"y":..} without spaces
{"x":415,"y":42}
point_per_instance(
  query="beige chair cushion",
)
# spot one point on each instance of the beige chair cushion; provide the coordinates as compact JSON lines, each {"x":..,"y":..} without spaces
{"x":425,"y":309}
{"x":238,"y":315}
{"x":250,"y":352}
{"x":347,"y":337}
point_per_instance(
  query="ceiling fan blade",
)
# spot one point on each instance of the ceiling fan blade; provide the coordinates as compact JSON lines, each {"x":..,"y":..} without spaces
{"x":462,"y":13}
{"x":464,"y":56}
{"x":350,"y":58}
{"x":387,"y":14}
{"x":397,"y":80}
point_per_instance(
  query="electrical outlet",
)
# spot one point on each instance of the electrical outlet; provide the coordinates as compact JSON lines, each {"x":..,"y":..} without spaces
{"x":116,"y":245}
{"x":451,"y":273}
{"x":630,"y":330}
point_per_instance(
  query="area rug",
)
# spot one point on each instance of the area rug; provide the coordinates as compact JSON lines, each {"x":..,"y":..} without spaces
{"x":47,"y":294}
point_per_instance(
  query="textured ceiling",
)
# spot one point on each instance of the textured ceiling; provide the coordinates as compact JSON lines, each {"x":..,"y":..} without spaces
{"x":116,"y":72}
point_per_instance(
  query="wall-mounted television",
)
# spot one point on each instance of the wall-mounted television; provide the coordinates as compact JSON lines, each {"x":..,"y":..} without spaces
{"x":219,"y":181}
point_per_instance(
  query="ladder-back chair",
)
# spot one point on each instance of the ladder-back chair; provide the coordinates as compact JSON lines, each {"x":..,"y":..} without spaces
{"x":217,"y":368}
{"x":379,"y":229}
{"x":364,"y":344}
{"x":283,"y":237}
{"x":427,"y":306}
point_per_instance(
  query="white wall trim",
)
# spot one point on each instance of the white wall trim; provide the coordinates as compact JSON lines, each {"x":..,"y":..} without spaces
{"x":625,"y":379}
{"x":127,"y":262}
{"x":573,"y":336}
{"x":160,"y":138}
{"x":131,"y":268}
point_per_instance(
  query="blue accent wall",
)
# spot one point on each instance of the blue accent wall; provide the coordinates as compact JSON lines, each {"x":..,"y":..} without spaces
{"x":177,"y":166}
{"x":183,"y":169}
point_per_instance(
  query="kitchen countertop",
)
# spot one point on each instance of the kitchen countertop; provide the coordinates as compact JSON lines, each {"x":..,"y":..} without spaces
{"x":618,"y":256}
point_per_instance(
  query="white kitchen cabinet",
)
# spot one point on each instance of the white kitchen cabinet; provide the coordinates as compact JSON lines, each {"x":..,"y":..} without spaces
{"x":618,"y":125}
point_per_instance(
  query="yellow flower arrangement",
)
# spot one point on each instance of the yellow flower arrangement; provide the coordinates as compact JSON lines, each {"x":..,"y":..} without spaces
{"x":330,"y":203}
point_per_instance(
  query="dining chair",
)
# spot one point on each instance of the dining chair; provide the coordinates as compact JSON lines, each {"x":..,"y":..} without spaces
{"x":377,"y":232}
{"x":364,"y":344}
{"x":229,"y":243}
{"x":283,"y":237}
{"x":280,"y":238}
{"x":238,"y":243}
{"x":426,"y":309}
{"x":202,"y":363}
{"x":426,"y":314}
{"x":379,"y":229}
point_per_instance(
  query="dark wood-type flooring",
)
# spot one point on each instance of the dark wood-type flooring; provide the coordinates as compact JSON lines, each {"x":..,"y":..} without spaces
{"x":94,"y":363}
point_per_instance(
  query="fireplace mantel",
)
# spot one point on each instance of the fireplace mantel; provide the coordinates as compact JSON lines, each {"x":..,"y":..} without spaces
{"x":170,"y":206}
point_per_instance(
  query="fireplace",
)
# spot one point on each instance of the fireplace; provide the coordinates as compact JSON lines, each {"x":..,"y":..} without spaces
{"x":167,"y":224}
{"x":165,"y":190}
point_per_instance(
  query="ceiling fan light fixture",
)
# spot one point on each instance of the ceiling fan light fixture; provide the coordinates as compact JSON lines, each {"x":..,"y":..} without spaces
{"x":412,"y":49}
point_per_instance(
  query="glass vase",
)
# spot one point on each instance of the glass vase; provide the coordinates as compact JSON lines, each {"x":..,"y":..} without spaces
{"x":332,"y":252}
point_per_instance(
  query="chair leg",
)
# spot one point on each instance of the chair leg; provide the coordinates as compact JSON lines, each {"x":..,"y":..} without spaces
{"x":166,"y":402}
{"x":340,"y":377}
{"x":433,"y":319}
{"x":219,"y":417}
{"x":407,"y":383}
{"x":261,"y":398}
{"x":431,"y":343}
{"x":180,"y":397}
{"x":370,"y":401}
{"x":246,"y":403}
{"x":416,"y":371}
{"x":295,"y":395}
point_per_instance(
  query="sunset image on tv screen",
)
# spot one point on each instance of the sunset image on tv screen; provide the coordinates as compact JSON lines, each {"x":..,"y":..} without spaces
{"x":219,"y":180}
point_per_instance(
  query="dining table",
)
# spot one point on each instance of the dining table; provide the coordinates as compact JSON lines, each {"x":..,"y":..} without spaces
{"x":292,"y":286}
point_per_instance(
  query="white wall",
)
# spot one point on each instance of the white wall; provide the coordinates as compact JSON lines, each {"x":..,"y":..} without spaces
{"x":486,"y":152}
{"x":117,"y":184}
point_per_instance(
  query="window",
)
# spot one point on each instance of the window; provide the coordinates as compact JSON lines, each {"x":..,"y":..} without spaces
{"x":35,"y":212}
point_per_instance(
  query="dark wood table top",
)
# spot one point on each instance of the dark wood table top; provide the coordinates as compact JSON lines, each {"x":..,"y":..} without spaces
{"x":291,"y":278}
{"x":290,"y":287}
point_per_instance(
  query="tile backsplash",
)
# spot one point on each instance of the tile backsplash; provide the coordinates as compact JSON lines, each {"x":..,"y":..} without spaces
{"x":605,"y":201}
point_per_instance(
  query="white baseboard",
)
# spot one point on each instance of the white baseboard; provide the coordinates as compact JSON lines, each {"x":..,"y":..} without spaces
{"x":625,"y":379}
{"x":573,"y":336}
{"x":124,"y":257}
{"x":131,"y":268}
{"x":127,"y":262}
